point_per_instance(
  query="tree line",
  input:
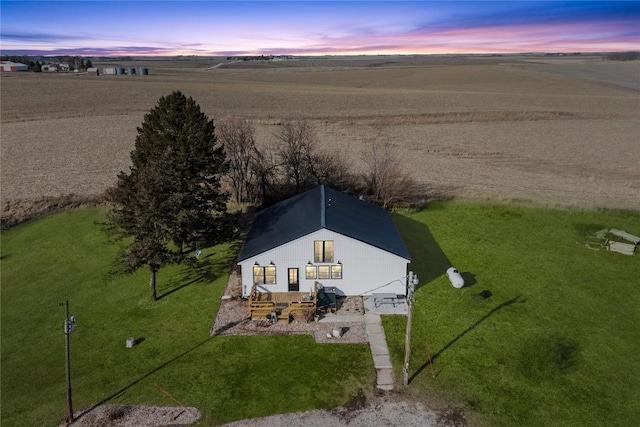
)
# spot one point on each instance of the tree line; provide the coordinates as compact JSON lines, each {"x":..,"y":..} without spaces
{"x":262,"y":175}
{"x":622,"y":56}
{"x":174,"y":195}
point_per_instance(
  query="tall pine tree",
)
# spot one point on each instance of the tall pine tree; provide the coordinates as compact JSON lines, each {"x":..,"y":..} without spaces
{"x":172,"y":191}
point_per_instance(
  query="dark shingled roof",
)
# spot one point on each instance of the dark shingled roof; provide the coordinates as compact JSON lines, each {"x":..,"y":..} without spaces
{"x":322,"y":207}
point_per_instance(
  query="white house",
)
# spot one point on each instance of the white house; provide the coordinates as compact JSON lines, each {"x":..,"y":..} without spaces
{"x":328,"y":237}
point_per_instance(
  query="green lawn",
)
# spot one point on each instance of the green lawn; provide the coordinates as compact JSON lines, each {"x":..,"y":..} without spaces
{"x":558,"y":340}
{"x":68,"y":257}
{"x":556,"y":343}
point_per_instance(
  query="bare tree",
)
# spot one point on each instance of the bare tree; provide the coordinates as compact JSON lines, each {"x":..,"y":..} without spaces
{"x":333,"y":168}
{"x":237,"y":136}
{"x":303,"y":165}
{"x":264,"y":174}
{"x":386,"y":181}
{"x":297,"y":143}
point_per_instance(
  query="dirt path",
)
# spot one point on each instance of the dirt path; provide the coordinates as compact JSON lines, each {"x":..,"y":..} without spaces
{"x":384,"y":411}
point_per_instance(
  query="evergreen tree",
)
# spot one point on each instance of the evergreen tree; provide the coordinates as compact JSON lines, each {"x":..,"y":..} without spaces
{"x":172,"y":191}
{"x":37,"y":67}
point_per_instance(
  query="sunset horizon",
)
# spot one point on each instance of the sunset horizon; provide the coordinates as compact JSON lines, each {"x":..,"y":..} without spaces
{"x":240,"y":28}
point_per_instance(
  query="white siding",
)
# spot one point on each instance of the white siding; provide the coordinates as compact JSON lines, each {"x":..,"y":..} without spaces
{"x":365,"y":269}
{"x":13,"y":66}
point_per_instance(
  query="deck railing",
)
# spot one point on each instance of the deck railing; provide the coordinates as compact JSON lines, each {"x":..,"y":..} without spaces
{"x":282,"y":306}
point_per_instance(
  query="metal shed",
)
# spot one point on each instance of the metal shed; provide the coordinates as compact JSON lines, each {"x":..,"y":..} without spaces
{"x":13,"y":66}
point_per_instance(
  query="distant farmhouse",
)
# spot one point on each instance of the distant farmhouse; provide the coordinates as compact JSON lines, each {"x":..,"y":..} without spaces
{"x":13,"y":66}
{"x":54,"y":68}
{"x":259,"y":58}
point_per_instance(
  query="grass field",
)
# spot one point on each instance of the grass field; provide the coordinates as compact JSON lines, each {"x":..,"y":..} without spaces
{"x":67,"y":257}
{"x":554,"y":344}
{"x":555,"y":131}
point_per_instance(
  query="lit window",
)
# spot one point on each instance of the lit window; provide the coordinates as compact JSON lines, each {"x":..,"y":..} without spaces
{"x":323,"y":272}
{"x":323,"y":251}
{"x":336,"y":271}
{"x":311,"y":272}
{"x":270,"y":275}
{"x":264,"y":275}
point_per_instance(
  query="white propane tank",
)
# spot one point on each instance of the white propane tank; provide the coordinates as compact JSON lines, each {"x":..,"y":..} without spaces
{"x":455,"y":277}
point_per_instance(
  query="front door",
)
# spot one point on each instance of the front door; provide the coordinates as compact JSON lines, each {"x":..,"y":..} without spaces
{"x":294,"y":284}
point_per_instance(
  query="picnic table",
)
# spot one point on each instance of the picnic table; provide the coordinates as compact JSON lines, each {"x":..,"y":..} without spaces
{"x":380,"y":299}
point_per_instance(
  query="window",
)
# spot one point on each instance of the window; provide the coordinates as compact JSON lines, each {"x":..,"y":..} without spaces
{"x":323,"y":251}
{"x":323,"y":272}
{"x":264,"y":275}
{"x":311,"y":272}
{"x":336,"y":271}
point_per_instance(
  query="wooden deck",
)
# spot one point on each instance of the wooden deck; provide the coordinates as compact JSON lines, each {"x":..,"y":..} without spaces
{"x":281,"y":307}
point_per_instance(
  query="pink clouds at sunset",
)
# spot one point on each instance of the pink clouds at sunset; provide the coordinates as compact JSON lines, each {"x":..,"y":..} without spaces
{"x":316,"y":28}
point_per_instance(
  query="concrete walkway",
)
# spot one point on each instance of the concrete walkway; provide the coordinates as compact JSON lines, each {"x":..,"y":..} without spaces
{"x":379,"y":351}
{"x":341,"y":318}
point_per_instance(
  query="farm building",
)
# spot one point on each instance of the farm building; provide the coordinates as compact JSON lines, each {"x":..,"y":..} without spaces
{"x":13,"y":66}
{"x":49,"y":68}
{"x":142,"y":71}
{"x":93,"y":71}
{"x":323,"y":238}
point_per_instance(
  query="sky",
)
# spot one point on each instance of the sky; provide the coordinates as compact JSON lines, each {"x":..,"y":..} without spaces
{"x":226,"y":28}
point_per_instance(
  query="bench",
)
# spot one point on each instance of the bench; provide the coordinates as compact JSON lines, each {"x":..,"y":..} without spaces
{"x":379,"y":299}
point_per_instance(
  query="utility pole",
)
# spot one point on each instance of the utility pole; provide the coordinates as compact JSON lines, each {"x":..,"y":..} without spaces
{"x":412,"y":282}
{"x":69,"y":326}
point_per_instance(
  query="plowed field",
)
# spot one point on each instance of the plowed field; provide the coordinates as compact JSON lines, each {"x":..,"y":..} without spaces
{"x":558,"y":131}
